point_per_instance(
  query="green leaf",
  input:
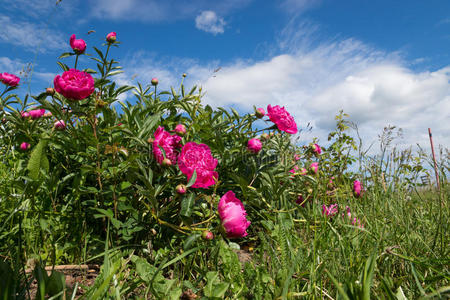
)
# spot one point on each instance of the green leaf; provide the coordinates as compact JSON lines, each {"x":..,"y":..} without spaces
{"x":56,"y":284}
{"x":214,"y":288}
{"x":38,"y":160}
{"x":66,"y":54}
{"x":193,"y":179}
{"x":187,"y":205}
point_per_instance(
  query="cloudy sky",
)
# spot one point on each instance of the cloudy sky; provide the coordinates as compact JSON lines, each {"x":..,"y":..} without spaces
{"x":382,"y":62}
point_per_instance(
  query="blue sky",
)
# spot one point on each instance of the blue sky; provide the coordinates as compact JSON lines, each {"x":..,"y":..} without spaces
{"x":383,"y":62}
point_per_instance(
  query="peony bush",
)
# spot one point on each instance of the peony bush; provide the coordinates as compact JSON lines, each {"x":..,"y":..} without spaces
{"x":162,"y":175}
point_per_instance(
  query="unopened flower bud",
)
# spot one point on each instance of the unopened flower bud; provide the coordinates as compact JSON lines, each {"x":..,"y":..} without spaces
{"x":150,"y":140}
{"x":184,"y":74}
{"x":153,"y":232}
{"x":59,"y":125}
{"x":181,"y":189}
{"x":154,"y":81}
{"x":260,"y":113}
{"x":265,"y":136}
{"x":207,"y":235}
{"x":111,"y":37}
{"x":50,"y":91}
{"x":166,"y":162}
{"x":180,"y":130}
{"x":3,"y":120}
{"x":25,"y":146}
{"x":310,"y":191}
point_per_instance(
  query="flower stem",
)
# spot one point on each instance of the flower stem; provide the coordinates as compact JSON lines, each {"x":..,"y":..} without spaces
{"x":76,"y":61}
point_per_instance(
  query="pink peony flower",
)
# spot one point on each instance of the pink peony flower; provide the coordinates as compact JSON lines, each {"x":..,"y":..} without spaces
{"x":9,"y":79}
{"x":74,"y":84}
{"x":357,"y":188}
{"x":314,"y":167}
{"x":111,"y":37}
{"x":36,"y":113}
{"x":25,"y":114}
{"x":180,"y":130}
{"x":78,"y":46}
{"x":25,"y":146}
{"x":254,"y":145}
{"x":170,"y":144}
{"x":233,"y":215}
{"x":354,"y":221}
{"x":60,"y":125}
{"x":260,"y":112}
{"x":316,"y":149}
{"x":198,"y":157}
{"x":329,"y":211}
{"x":283,"y":120}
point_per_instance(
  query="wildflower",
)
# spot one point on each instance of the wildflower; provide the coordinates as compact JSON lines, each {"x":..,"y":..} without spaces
{"x":329,"y":211}
{"x":357,"y":188}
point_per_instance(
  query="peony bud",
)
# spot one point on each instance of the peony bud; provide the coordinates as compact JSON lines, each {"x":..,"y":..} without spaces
{"x":233,"y":216}
{"x":111,"y":37}
{"x":316,"y":149}
{"x":150,"y":140}
{"x":357,"y":188}
{"x":154,"y":81}
{"x":181,"y":189}
{"x":166,"y":162}
{"x":207,"y":235}
{"x":48,"y":114}
{"x":25,"y":146}
{"x":59,"y":125}
{"x":50,"y":91}
{"x":25,"y":114}
{"x":3,"y":120}
{"x":254,"y":145}
{"x":184,"y":74}
{"x":260,"y":112}
{"x":314,"y":167}
{"x":78,"y":46}
{"x":180,"y":130}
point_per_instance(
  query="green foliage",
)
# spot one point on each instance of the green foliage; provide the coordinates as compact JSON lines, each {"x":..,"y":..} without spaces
{"x":95,"y":192}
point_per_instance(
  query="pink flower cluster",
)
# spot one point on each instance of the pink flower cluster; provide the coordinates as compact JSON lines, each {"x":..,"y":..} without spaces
{"x":9,"y":79}
{"x":329,"y":211}
{"x":74,"y":84}
{"x":284,"y":121}
{"x":355,"y":221}
{"x":233,"y":216}
{"x":314,"y":167}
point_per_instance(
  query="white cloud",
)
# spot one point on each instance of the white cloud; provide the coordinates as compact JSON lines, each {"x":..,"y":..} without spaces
{"x":315,"y":80}
{"x":160,"y":11}
{"x":208,"y":21}
{"x":33,"y":36}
